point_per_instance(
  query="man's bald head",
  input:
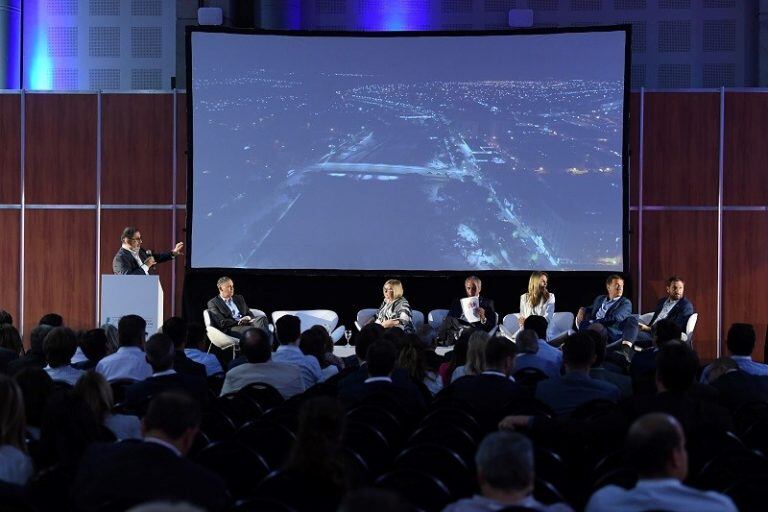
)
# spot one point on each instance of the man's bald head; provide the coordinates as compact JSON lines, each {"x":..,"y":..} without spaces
{"x":656,"y":447}
{"x":255,"y":346}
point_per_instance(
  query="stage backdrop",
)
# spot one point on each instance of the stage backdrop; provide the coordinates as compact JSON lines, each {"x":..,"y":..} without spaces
{"x":77,"y":168}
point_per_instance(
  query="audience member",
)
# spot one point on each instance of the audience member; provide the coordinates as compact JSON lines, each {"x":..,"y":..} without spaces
{"x":93,"y":345}
{"x":36,"y":387}
{"x":456,"y":358}
{"x":134,"y":472}
{"x":59,"y":347}
{"x":642,"y":370}
{"x":741,"y":342}
{"x":196,"y":349}
{"x":546,"y":351}
{"x":35,"y":356}
{"x":176,"y":329}
{"x":475,"y":364}
{"x":10,"y":346}
{"x":528,"y":348}
{"x":312,"y":343}
{"x":15,"y":465}
{"x":256,"y":347}
{"x":160,"y":356}
{"x":129,"y":361}
{"x":656,"y":447}
{"x":328,"y":354}
{"x":52,"y":319}
{"x":288,"y":331}
{"x":370,"y":334}
{"x":94,"y":390}
{"x":413,"y":359}
{"x":506,"y":476}
{"x":735,"y":386}
{"x":113,"y":342}
{"x":612,"y":310}
{"x":565,"y":394}
{"x":600,"y":372}
{"x":5,"y":317}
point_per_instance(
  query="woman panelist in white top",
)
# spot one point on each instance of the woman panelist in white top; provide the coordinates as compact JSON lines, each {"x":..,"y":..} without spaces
{"x":395,"y":310}
{"x":538,"y":300}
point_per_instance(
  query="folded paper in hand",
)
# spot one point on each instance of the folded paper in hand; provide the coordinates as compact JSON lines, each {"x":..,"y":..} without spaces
{"x":469,"y":307}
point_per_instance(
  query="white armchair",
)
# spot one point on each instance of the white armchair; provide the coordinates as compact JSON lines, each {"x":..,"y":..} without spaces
{"x":311,"y":317}
{"x":364,"y":316}
{"x":436,"y":318}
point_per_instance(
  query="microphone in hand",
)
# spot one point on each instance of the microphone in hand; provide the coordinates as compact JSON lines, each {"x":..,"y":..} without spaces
{"x":150,"y":261}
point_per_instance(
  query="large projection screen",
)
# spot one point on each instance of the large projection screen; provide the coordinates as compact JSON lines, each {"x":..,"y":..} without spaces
{"x":408,"y":151}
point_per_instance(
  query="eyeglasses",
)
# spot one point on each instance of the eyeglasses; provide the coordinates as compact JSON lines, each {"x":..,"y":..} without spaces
{"x":135,"y":239}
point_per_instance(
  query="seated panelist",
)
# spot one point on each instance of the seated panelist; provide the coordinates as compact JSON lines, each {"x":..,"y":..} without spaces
{"x":456,"y":320}
{"x":230,"y":313}
{"x":395,"y":310}
{"x":611,"y":310}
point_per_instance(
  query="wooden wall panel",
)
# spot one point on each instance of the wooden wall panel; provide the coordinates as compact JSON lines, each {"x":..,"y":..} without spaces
{"x":181,"y":217}
{"x":59,"y":266}
{"x":745,"y":272}
{"x":631,"y":266}
{"x":634,"y":148}
{"x":155,"y":228}
{"x":9,"y":257}
{"x":181,"y":149}
{"x":745,"y":155}
{"x":684,"y":243}
{"x":60,"y":148}
{"x":137,"y":148}
{"x":10,"y":149}
{"x":681,"y":140}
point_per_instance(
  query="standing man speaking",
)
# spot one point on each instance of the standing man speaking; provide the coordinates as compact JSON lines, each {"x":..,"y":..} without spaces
{"x":132,"y":259}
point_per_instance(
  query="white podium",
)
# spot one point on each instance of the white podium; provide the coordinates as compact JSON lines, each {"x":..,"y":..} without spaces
{"x":132,"y":295}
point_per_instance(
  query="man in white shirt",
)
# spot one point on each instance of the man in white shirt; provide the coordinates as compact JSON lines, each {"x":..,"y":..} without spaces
{"x":656,"y":446}
{"x":129,"y":362}
{"x":284,"y":377}
{"x":59,"y":347}
{"x":288,"y":331}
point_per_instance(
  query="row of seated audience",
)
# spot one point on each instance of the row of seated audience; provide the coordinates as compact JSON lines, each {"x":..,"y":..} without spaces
{"x":513,"y":401}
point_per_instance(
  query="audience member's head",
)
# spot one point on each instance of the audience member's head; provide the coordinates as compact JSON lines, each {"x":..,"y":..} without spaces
{"x":112,"y":338}
{"x":131,"y":331}
{"x":656,"y":447}
{"x":10,"y":338}
{"x":459,"y":353}
{"x":579,"y":352}
{"x":665,"y":331}
{"x":196,"y":336}
{"x":527,"y":342}
{"x":12,"y":418}
{"x":37,"y":337}
{"x":95,"y":391}
{"x":323,"y":334}
{"x":740,"y":339}
{"x":504,"y":462}
{"x":255,"y":346}
{"x":475,"y":364}
{"x":368,"y":334}
{"x":93,"y":343}
{"x":173,"y":417}
{"x":381,"y":358}
{"x":5,"y":317}
{"x":176,"y":329}
{"x":52,"y":319}
{"x":720,"y":367}
{"x":600,"y":346}
{"x":411,"y":358}
{"x":395,"y":335}
{"x":676,"y":367}
{"x":500,"y":355}
{"x":160,"y":352}
{"x":36,"y":387}
{"x":537,"y":323}
{"x":59,"y":346}
{"x":288,"y":329}
{"x":312,"y":343}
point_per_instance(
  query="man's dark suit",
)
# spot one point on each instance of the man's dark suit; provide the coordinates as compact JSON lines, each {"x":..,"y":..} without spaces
{"x":679,"y":314}
{"x":487,"y":394}
{"x":137,"y":394}
{"x":614,"y":318}
{"x":183,"y":364}
{"x":485,"y":303}
{"x":737,"y":388}
{"x":124,"y":263}
{"x":131,"y":472}
{"x":222,"y":318}
{"x":29,"y":360}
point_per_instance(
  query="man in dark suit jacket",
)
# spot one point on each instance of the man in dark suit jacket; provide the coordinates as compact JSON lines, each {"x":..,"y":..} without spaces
{"x":119,"y":475}
{"x":230,"y":313}
{"x":611,"y":310}
{"x":176,"y":329}
{"x":455,"y":320}
{"x":132,"y":259}
{"x":160,"y":356}
{"x":674,"y":307}
{"x":35,"y":357}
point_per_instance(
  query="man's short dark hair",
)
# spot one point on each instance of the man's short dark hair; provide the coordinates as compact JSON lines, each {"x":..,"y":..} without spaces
{"x":176,"y":329}
{"x":159,"y":351}
{"x":5,"y":317}
{"x":505,"y":461}
{"x":611,"y":278}
{"x":128,"y":232}
{"x":255,"y":346}
{"x":600,"y":345}
{"x":527,"y":341}
{"x":651,"y":440}
{"x":665,"y":330}
{"x":93,"y":343}
{"x":131,"y":330}
{"x":497,"y":350}
{"x":381,"y":358}
{"x":173,"y":413}
{"x":741,"y":339}
{"x":676,"y":366}
{"x":196,"y":335}
{"x":538,"y":323}
{"x":10,"y":338}
{"x":578,"y":350}
{"x":674,"y":279}
{"x":37,"y":337}
{"x":52,"y":319}
{"x":59,"y":346}
{"x":368,"y":334}
{"x":288,"y":329}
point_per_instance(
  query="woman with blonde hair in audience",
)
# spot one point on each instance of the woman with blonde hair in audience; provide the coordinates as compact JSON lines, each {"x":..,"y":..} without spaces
{"x":537,"y":300}
{"x":95,"y":391}
{"x":475,"y":364}
{"x":395,"y":310}
{"x":15,"y":465}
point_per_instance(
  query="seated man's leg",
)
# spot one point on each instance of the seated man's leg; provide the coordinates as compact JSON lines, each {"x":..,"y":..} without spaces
{"x":261,"y":322}
{"x":237,"y":331}
{"x":630,"y":329}
{"x":448,"y":331}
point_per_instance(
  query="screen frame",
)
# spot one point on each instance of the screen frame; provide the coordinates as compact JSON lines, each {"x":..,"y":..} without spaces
{"x":625,"y":148}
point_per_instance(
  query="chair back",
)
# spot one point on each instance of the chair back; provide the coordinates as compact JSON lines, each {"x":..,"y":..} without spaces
{"x":311,"y":317}
{"x":689,"y":327}
{"x":562,"y":322}
{"x":418,"y":319}
{"x":364,"y":316}
{"x":217,"y":337}
{"x":436,"y":318}
{"x":238,"y":465}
